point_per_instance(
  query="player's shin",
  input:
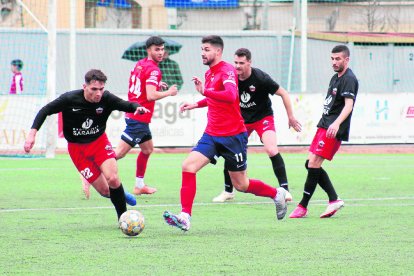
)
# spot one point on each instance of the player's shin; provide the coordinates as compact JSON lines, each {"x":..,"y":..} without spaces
{"x":117,"y":196}
{"x":188,"y":191}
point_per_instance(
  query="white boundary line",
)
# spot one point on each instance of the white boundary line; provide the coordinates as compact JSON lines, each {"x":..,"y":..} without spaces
{"x":313,"y":202}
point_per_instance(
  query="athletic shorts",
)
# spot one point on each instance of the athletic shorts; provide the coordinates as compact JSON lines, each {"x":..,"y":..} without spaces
{"x":136,"y":132}
{"x":232,"y":148}
{"x":323,"y":146}
{"x":265,"y":124}
{"x":88,"y":158}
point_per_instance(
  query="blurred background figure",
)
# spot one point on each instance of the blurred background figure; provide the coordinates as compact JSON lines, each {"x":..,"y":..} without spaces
{"x":16,"y":86}
{"x":170,"y":69}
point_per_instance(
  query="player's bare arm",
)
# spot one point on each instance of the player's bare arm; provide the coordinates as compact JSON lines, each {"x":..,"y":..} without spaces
{"x":198,"y":85}
{"x":288,"y":106}
{"x":30,"y":140}
{"x":154,"y":95}
{"x":187,"y":106}
{"x":334,"y":127}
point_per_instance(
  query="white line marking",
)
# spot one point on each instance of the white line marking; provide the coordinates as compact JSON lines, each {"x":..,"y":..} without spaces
{"x":313,"y":202}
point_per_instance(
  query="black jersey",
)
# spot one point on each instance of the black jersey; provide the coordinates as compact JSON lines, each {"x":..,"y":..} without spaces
{"x":254,"y":91}
{"x":83,"y":121}
{"x":339,"y":88}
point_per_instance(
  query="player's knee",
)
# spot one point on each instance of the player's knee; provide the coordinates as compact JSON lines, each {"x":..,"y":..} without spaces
{"x":147,"y":151}
{"x":119,"y":155}
{"x":104,"y":191}
{"x":113,"y":181}
{"x":271,"y":151}
{"x":187,"y":167}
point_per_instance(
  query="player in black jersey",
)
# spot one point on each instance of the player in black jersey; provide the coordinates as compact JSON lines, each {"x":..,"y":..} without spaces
{"x":85,"y":113}
{"x":255,"y":88}
{"x":333,"y":128}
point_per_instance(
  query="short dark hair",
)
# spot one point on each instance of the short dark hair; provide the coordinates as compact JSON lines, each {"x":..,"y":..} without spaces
{"x":95,"y":75}
{"x":18,"y":63}
{"x":213,"y":40}
{"x":244,"y":52}
{"x":154,"y":40}
{"x":341,"y":49}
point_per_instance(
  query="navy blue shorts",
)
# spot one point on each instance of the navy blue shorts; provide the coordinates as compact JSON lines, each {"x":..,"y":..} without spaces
{"x":232,"y":148}
{"x":136,"y":132}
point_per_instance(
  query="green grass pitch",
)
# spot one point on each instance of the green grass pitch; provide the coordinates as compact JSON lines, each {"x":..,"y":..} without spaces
{"x":48,"y":228}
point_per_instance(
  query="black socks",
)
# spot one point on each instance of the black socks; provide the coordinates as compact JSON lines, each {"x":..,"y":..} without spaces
{"x":118,"y":200}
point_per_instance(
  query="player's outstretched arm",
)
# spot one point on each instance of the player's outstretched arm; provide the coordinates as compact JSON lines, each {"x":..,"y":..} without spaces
{"x":153,"y":94}
{"x":288,"y":106}
{"x":141,"y":110}
{"x":30,"y":140}
{"x":187,"y":106}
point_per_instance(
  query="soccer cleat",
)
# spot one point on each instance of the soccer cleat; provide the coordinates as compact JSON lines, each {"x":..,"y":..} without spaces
{"x":85,"y":187}
{"x":299,"y":212}
{"x":224,"y":196}
{"x":280,"y":202}
{"x":144,"y":190}
{"x":130,"y":199}
{"x":181,"y":221}
{"x":332,"y":208}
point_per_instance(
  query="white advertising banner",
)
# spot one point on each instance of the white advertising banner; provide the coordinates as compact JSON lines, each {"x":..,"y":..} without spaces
{"x":377,"y":118}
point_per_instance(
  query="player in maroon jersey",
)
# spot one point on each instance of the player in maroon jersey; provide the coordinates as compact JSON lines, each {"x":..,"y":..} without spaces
{"x":225,"y":135}
{"x":333,"y":128}
{"x":255,"y":88}
{"x":16,"y":86}
{"x":84,"y":114}
{"x":144,"y":88}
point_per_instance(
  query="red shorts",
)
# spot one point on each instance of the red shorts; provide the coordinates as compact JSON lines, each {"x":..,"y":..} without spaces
{"x":88,"y":158}
{"x":324,"y":146}
{"x":265,"y":124}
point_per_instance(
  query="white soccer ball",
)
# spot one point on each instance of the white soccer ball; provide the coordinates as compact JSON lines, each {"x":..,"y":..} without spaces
{"x":132,"y":223}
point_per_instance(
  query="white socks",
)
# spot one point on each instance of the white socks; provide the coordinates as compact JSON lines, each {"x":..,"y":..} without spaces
{"x":139,"y":182}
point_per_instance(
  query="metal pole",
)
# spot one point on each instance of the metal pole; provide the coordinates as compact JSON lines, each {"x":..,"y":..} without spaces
{"x":304,"y":45}
{"x":292,"y":52}
{"x":51,"y":132}
{"x":72,"y":45}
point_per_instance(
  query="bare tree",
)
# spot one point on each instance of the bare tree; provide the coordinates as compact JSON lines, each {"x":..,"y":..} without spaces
{"x":372,"y":16}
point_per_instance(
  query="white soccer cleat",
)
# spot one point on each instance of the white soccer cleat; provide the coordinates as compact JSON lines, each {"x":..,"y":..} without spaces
{"x":280,"y":202}
{"x":224,"y":196}
{"x":332,"y":208}
{"x":181,"y":221}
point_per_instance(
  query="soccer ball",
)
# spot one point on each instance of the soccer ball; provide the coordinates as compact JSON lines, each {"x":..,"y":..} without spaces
{"x":132,"y":223}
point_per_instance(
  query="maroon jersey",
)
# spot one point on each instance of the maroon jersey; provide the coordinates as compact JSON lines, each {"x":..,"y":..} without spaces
{"x":223,"y":116}
{"x":17,"y":84}
{"x":145,"y":72}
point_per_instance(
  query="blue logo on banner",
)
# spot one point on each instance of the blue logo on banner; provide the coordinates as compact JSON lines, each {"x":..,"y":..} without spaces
{"x":382,"y":109}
